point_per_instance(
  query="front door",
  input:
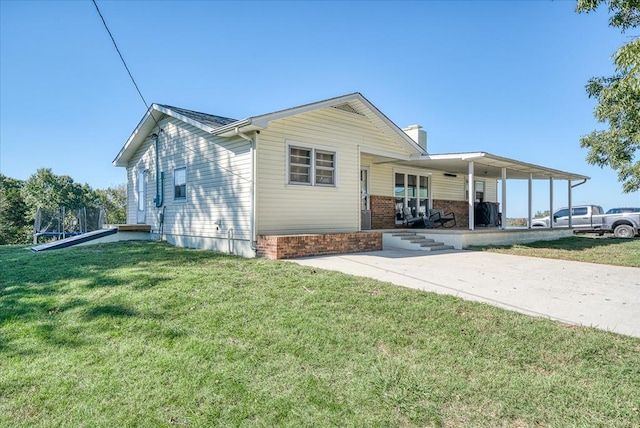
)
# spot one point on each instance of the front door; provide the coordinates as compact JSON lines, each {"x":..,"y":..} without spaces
{"x":140,"y":193}
{"x":365,"y":203}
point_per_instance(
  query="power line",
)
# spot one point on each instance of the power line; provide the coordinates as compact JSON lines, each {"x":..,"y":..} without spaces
{"x":147,"y":105}
{"x":124,"y":62}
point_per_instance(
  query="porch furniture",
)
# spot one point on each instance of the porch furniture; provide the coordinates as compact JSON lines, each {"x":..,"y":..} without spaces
{"x":437,"y":218}
{"x":412,"y":221}
{"x":486,"y":214}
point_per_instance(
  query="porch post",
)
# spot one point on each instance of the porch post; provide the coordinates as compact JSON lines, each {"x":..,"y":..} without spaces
{"x":503,"y":223}
{"x":551,"y":202}
{"x":530,"y":202}
{"x":569,"y":200}
{"x":471,"y":196}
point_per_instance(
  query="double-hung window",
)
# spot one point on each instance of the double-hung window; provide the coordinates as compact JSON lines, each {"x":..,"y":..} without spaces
{"x":180,"y":183}
{"x":311,"y":166}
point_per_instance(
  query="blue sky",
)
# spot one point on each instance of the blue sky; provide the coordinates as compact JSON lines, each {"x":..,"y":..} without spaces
{"x":503,"y":77}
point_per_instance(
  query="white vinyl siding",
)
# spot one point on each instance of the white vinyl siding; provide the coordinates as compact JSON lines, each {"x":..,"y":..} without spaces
{"x":141,"y":161}
{"x":218,"y":182}
{"x":283,"y":208}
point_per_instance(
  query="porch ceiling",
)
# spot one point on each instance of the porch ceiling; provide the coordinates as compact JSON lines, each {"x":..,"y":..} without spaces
{"x":488,"y":165}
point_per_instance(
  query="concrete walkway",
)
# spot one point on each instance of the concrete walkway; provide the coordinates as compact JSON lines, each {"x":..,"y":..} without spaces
{"x":602,"y":296}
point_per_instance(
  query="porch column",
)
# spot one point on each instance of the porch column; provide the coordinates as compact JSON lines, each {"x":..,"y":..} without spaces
{"x":530,"y":202}
{"x":551,"y":202}
{"x":503,"y":224}
{"x":569,"y":201}
{"x":471,"y":196}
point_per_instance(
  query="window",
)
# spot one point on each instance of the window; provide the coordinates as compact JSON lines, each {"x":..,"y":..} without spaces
{"x":411,"y":193}
{"x":299,"y":165}
{"x":325,"y":171}
{"x":180,"y":183}
{"x":478,"y":190}
{"x":312,"y":166}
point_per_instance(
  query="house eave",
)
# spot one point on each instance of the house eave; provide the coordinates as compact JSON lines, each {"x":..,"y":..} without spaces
{"x":139,"y":134}
{"x":490,"y":166}
{"x":392,"y":130}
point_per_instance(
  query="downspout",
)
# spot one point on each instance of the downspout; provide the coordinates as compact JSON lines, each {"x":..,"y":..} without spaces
{"x":252,"y":193}
{"x":570,"y":196}
{"x":584,"y":180}
{"x":159,"y":199}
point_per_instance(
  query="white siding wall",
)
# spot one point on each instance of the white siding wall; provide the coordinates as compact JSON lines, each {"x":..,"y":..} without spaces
{"x":218,"y":183}
{"x":284,"y":208}
{"x":143,"y":159}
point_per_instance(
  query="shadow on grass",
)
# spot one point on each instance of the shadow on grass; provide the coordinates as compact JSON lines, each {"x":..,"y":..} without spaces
{"x":574,"y":243}
{"x":37,"y":287}
{"x":115,"y":311}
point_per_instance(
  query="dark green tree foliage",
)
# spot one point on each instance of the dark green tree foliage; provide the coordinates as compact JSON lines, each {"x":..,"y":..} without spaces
{"x":618,"y":99}
{"x":46,"y":190}
{"x":114,"y":202}
{"x":15,"y":227}
{"x":20,"y":200}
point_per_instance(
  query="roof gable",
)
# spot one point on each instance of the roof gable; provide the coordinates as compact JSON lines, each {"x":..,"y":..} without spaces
{"x":227,"y":127}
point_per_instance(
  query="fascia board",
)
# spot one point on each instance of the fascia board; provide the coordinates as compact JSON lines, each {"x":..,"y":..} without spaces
{"x":183,"y":118}
{"x":133,"y":142}
{"x":499,"y":161}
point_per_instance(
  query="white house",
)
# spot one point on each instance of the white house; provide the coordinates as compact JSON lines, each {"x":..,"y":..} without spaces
{"x":318,"y":174}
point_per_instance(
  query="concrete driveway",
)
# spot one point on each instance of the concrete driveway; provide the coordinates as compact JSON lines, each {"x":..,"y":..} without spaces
{"x":605,"y":297}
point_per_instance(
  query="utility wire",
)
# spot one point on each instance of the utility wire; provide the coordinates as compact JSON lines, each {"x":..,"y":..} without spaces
{"x":125,"y":64}
{"x":147,"y":105}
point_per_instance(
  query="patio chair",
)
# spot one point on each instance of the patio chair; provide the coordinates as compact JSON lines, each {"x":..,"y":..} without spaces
{"x":412,"y":221}
{"x":437,"y":217}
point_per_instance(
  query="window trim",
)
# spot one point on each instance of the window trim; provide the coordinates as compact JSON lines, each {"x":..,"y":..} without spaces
{"x":180,"y":198}
{"x":313,"y":164}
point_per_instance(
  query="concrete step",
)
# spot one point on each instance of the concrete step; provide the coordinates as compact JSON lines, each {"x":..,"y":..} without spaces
{"x":436,"y":246}
{"x":415,"y":241}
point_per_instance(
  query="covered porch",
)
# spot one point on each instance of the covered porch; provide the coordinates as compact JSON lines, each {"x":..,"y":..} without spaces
{"x":482,"y":165}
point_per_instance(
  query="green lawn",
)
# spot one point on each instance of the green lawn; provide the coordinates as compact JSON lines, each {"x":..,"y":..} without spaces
{"x":144,"y":334}
{"x":582,"y":248}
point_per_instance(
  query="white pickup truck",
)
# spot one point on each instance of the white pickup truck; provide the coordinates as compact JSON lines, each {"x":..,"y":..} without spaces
{"x":591,"y":218}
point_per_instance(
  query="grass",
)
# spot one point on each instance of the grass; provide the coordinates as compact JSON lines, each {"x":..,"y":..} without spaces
{"x":144,"y":334}
{"x":582,"y":248}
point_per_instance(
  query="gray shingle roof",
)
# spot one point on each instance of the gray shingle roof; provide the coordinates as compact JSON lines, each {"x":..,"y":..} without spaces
{"x":204,"y":118}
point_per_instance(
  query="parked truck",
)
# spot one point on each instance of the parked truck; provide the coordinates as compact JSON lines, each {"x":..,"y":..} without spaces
{"x":591,"y":218}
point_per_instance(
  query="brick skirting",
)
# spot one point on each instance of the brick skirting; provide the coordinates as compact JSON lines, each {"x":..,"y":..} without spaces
{"x":383,"y":212}
{"x":277,"y":247}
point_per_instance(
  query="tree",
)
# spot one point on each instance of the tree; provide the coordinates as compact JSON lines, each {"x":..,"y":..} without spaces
{"x":618,"y":100}
{"x":114,"y":202}
{"x":15,"y":227}
{"x":540,"y":214}
{"x":44,"y":189}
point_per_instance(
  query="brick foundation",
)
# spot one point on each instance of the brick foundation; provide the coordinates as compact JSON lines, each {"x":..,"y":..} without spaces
{"x":277,"y":247}
{"x":383,"y":212}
